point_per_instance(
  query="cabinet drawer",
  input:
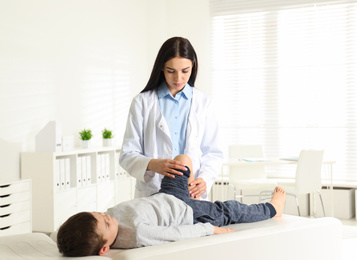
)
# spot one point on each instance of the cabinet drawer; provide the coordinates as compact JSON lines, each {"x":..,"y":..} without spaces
{"x":14,"y":218}
{"x":15,"y":207}
{"x":16,"y":229}
{"x":14,"y":197}
{"x":22,"y":186}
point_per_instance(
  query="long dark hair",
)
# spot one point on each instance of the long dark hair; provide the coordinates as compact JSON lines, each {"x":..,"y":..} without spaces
{"x":173,"y":47}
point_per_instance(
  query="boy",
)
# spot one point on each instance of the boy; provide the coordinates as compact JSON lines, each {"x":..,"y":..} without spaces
{"x":167,"y":216}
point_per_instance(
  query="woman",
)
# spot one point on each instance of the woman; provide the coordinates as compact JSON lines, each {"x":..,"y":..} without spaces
{"x":171,"y":117}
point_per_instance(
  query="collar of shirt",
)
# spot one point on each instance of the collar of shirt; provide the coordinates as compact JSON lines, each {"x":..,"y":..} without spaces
{"x":163,"y":91}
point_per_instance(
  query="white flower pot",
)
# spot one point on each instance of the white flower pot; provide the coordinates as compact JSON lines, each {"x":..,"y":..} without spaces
{"x":107,"y":142}
{"x":85,"y":144}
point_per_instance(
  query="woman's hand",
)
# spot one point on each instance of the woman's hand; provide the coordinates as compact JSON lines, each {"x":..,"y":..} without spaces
{"x":197,"y":188}
{"x":166,"y":167}
{"x":220,"y":230}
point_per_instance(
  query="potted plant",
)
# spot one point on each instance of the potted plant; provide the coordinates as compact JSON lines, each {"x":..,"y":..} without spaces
{"x":86,"y":135}
{"x":107,"y":137}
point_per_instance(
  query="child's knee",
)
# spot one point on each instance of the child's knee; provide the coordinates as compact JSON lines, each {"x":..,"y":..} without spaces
{"x":187,"y":173}
{"x":188,"y":162}
{"x":184,"y":159}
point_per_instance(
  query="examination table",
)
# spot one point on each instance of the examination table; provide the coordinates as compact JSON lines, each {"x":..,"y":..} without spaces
{"x":287,"y":237}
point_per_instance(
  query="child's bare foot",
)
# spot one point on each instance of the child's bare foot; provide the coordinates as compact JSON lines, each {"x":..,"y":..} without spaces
{"x":278,"y":200}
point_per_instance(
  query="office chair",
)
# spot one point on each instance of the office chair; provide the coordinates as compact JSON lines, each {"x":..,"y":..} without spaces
{"x":250,"y":177}
{"x":307,"y":177}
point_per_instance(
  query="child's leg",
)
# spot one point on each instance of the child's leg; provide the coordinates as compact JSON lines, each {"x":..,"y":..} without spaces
{"x":241,"y":213}
{"x":220,"y":213}
{"x":278,"y":200}
{"x":231,"y":212}
{"x":188,"y":162}
{"x":178,"y":186}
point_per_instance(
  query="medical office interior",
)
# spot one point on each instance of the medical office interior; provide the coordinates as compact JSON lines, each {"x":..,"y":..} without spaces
{"x":282,"y":76}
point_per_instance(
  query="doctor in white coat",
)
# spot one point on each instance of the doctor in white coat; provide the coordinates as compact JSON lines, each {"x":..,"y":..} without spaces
{"x":171,"y":117}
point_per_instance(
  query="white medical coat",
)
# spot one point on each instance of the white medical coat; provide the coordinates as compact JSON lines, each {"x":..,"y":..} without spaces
{"x":147,"y":137}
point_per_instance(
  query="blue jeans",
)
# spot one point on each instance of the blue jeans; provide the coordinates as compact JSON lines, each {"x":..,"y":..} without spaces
{"x":217,"y":213}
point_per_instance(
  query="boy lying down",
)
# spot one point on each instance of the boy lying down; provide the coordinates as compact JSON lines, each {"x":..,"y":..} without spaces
{"x":167,"y":216}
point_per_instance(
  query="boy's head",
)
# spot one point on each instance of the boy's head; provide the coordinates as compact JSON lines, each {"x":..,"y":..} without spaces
{"x":87,"y":234}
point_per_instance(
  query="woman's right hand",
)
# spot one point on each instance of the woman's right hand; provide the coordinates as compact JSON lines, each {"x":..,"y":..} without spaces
{"x":166,"y":167}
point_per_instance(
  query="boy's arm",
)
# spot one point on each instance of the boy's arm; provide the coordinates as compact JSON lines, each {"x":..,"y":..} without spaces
{"x":221,"y":230}
{"x":152,"y":235}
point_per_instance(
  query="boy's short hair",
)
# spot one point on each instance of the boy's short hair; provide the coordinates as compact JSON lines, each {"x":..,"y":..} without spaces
{"x":78,"y":236}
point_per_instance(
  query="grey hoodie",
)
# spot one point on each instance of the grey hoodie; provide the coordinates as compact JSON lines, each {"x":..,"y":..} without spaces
{"x":153,"y":220}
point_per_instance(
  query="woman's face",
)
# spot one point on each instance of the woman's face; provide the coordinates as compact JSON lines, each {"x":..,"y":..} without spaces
{"x":177,"y":72}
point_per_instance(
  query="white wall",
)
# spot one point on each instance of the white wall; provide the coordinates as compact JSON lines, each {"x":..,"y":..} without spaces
{"x":186,"y":18}
{"x":81,"y":61}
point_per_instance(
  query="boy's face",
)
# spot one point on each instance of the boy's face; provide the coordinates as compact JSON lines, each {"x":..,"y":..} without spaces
{"x":107,"y":227}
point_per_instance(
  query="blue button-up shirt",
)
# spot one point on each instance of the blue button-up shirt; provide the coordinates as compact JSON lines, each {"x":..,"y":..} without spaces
{"x":176,"y":111}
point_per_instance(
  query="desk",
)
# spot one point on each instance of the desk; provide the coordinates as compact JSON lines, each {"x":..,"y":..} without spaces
{"x":327,"y":168}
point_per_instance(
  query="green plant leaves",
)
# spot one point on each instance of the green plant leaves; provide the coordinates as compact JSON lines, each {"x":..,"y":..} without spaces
{"x":86,"y":134}
{"x":107,"y":134}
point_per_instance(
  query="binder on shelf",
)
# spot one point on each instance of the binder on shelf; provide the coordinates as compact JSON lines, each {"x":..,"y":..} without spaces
{"x":81,"y":174}
{"x":84,"y":170}
{"x":62,"y":174}
{"x":70,"y":168}
{"x":88,"y":170}
{"x":57,"y":175}
{"x":79,"y":171}
{"x":107,"y":166}
{"x":67,"y":162}
{"x":99,"y":167}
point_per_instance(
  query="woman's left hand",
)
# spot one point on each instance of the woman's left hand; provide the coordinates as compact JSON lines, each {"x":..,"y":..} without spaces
{"x":197,"y":187}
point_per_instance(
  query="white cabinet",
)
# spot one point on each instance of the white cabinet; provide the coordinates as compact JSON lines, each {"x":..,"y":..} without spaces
{"x":65,"y":183}
{"x":125,"y":184}
{"x":343,"y":203}
{"x":15,"y":207}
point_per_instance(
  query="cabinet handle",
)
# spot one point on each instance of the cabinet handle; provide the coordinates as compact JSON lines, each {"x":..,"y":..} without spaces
{"x":4,"y":196}
{"x":4,"y":186}
{"x":4,"y":228}
{"x":4,"y":216}
{"x":5,"y":206}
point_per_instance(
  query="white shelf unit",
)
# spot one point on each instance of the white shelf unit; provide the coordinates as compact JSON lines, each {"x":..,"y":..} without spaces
{"x":15,"y":207}
{"x":65,"y":183}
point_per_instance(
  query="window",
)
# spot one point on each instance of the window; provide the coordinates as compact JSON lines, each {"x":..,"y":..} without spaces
{"x":286,"y":73}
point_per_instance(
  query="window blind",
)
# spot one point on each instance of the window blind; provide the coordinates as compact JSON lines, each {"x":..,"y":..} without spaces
{"x":284,"y":76}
